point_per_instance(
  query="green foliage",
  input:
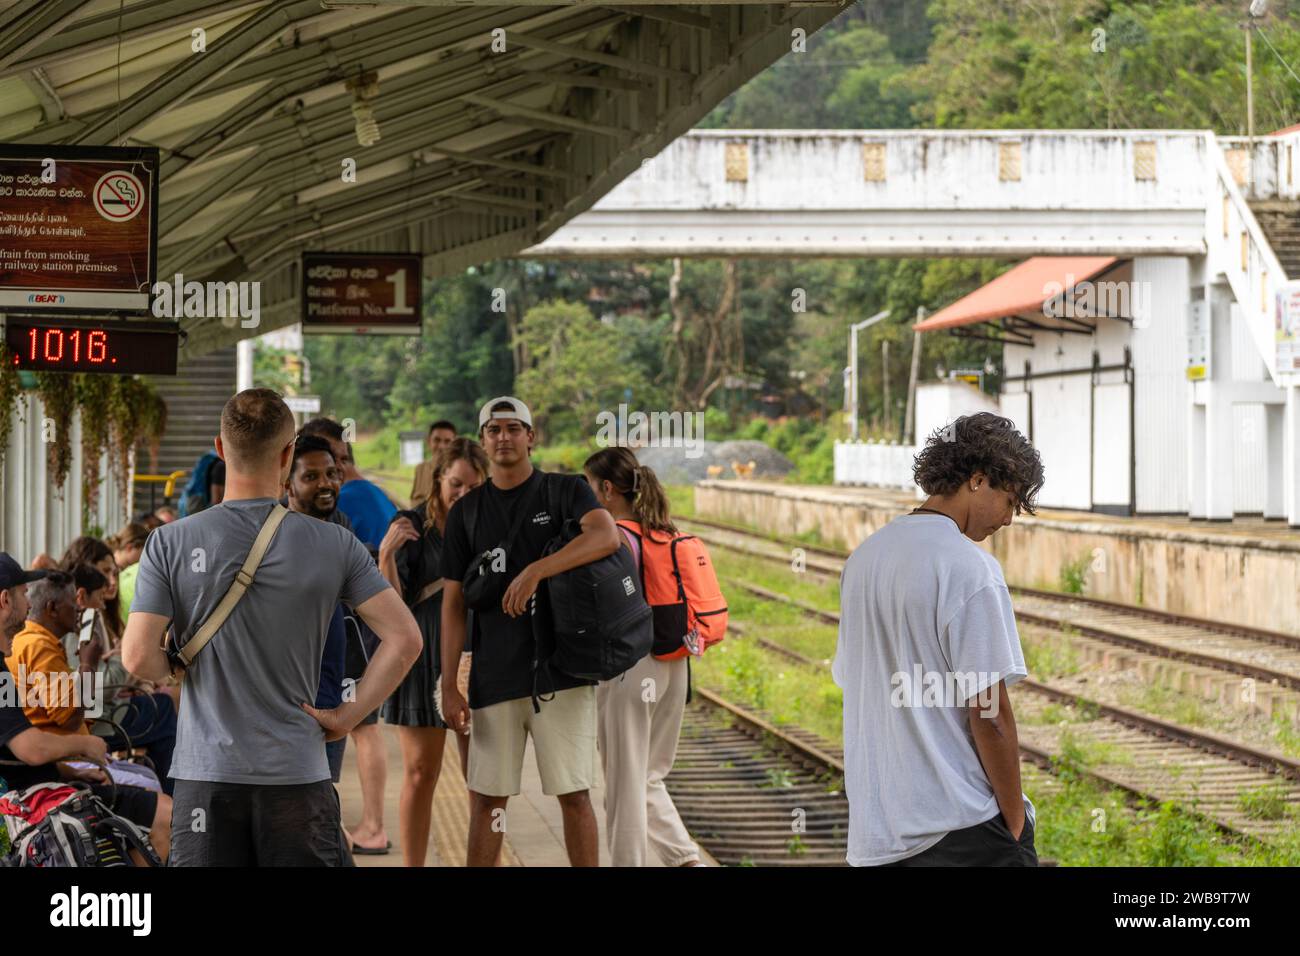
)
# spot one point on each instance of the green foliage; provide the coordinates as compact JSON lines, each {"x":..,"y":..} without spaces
{"x":10,"y":390}
{"x":1050,"y":657}
{"x":94,"y":397}
{"x":579,"y":368}
{"x":1074,"y":575}
{"x":271,"y":370}
{"x":846,"y":79}
{"x":58,"y":394}
{"x":1264,"y":803}
{"x":1089,"y":64}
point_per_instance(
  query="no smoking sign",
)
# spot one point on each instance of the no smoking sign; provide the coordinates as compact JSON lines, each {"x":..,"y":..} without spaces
{"x":118,"y":196}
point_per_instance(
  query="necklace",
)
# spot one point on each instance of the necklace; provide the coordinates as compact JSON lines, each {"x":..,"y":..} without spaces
{"x":932,"y":511}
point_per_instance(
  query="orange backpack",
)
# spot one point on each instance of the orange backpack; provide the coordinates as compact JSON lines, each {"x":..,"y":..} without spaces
{"x":679,"y":583}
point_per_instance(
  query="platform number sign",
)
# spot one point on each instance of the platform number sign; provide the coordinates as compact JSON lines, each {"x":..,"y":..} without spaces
{"x":361,"y":293}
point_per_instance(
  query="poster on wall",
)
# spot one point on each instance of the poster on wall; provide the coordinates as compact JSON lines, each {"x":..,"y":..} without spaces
{"x":1287,"y":329}
{"x":78,"y":228}
{"x":361,"y":293}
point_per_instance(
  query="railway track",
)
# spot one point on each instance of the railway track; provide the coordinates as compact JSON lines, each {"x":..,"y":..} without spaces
{"x":1267,"y":656}
{"x":1144,"y":756}
{"x":755,"y":794}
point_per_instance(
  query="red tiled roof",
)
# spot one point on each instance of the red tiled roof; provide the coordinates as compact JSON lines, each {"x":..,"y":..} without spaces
{"x":1022,"y":289}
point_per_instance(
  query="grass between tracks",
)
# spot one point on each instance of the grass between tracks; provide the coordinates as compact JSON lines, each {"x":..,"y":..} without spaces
{"x":1080,"y":823}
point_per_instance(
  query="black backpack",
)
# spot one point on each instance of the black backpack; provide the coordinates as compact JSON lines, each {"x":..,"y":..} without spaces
{"x":596,"y":612}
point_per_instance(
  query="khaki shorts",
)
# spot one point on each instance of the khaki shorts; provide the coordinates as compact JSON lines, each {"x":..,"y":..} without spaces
{"x":564,"y":741}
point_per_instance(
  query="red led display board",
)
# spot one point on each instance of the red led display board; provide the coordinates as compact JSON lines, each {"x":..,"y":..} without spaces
{"x":120,"y":348}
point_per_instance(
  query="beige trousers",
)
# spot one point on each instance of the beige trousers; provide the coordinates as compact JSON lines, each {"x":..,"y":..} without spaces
{"x":639,"y":717}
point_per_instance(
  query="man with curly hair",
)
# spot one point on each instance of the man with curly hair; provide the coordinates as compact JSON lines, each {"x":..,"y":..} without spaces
{"x":927,"y":647}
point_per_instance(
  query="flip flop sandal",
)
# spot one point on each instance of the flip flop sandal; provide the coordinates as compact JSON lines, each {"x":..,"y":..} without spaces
{"x":359,"y":850}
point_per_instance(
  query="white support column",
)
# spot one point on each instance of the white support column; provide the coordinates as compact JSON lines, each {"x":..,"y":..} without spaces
{"x":244,"y":365}
{"x":1196,"y":500}
{"x":1291,"y":442}
{"x":1219,"y":444}
{"x":1275,"y":447}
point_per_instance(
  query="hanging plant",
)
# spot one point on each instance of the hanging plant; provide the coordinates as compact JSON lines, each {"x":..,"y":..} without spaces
{"x":125,"y":400}
{"x":11,"y":390}
{"x":94,"y":393}
{"x":153,"y":422}
{"x":58,"y":394}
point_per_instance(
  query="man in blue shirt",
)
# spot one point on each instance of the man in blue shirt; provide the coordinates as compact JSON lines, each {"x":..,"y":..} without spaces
{"x":313,"y":489}
{"x":368,"y":520}
{"x":367,"y":507}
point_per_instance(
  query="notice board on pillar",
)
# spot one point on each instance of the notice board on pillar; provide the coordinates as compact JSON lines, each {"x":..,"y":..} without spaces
{"x":361,"y":293}
{"x":1287,"y":328}
{"x":78,"y":229}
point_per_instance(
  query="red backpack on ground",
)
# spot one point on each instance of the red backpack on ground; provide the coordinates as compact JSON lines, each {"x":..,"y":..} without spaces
{"x":681,"y":587}
{"x":66,"y":824}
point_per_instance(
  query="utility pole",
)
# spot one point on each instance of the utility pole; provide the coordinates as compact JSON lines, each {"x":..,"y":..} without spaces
{"x":909,"y":423}
{"x":889,"y":412}
{"x":1250,"y":90}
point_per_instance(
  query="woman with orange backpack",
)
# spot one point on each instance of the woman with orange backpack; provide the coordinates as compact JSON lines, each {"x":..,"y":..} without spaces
{"x":639,"y":715}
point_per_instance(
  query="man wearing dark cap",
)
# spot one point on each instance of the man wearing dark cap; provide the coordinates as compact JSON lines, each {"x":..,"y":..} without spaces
{"x":29,"y":756}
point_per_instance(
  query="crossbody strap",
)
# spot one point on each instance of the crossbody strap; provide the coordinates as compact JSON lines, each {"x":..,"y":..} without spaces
{"x":243,"y":578}
{"x":429,"y":590}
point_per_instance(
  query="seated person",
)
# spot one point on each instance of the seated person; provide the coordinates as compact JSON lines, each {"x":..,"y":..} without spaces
{"x":144,"y":718}
{"x":38,"y":656}
{"x":29,"y":755}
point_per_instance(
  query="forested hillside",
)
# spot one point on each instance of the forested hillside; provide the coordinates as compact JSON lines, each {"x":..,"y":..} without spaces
{"x":578,"y":336}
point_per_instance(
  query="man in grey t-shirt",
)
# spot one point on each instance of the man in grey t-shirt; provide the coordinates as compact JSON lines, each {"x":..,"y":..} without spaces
{"x":252,"y":782}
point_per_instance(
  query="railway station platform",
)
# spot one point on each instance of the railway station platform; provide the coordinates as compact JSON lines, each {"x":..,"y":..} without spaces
{"x":1245,"y":572}
{"x":534,"y":828}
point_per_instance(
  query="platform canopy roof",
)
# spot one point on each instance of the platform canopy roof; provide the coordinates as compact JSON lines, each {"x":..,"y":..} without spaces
{"x":497,"y":123}
{"x":1045,"y":293}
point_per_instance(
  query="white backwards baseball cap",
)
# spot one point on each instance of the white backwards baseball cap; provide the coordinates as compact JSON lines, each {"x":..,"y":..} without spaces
{"x":518,"y":410}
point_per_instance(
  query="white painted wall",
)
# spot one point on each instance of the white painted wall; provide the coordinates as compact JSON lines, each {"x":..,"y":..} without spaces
{"x":944,"y":192}
{"x":924,"y":169}
{"x":33,"y":518}
{"x":889,"y":465}
{"x":938,"y":403}
{"x":1162,"y":392}
{"x":875,"y":464}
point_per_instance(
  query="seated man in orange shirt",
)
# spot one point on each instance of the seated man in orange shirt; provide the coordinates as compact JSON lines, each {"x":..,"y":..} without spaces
{"x":30,"y":756}
{"x":38,"y":661}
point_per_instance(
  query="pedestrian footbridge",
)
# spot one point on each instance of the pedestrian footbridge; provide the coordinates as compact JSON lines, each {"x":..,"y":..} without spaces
{"x":995,"y":193}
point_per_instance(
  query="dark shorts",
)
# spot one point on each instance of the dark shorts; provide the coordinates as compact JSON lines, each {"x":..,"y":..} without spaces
{"x":244,"y":824}
{"x":987,"y":844}
{"x":135,"y":803}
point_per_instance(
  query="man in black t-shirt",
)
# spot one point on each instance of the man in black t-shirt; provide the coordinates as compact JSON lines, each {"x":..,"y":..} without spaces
{"x":501,"y":683}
